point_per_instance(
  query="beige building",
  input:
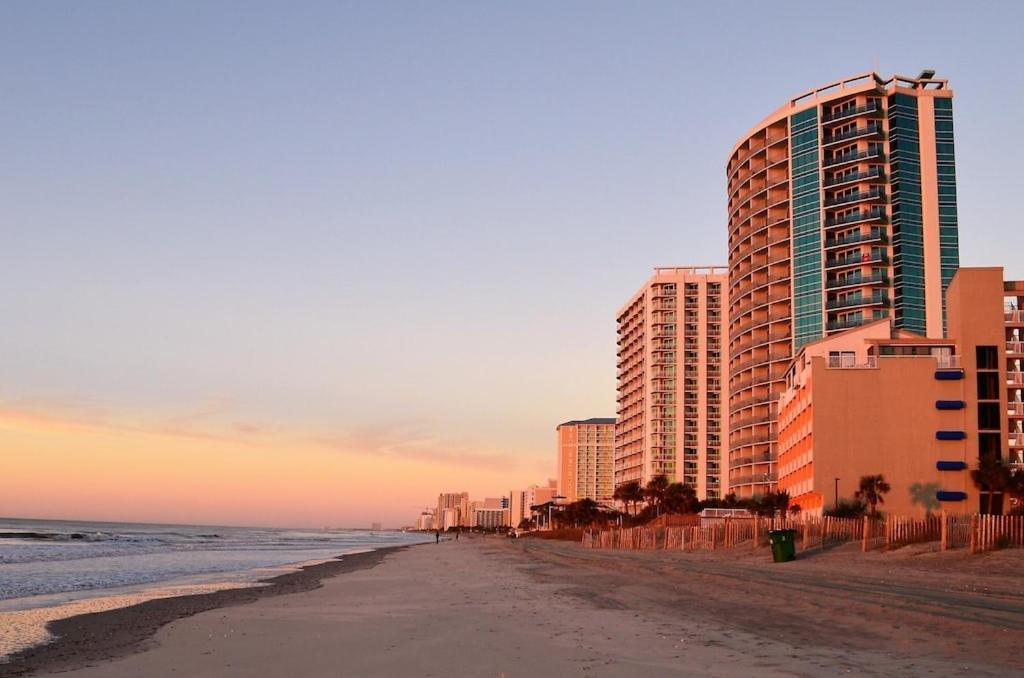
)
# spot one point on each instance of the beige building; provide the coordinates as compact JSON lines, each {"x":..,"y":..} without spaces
{"x":534,"y":495}
{"x":586,"y":451}
{"x":670,"y":384}
{"x":919,"y":411}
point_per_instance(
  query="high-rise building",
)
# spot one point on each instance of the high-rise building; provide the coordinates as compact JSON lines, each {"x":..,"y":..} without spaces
{"x":586,"y":459}
{"x":1013,"y":316}
{"x":458,"y":505}
{"x":670,"y":386}
{"x":842,"y":211}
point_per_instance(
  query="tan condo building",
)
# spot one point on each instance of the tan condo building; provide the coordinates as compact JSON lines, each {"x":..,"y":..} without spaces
{"x":586,"y":450}
{"x":842,"y":212}
{"x":670,"y":385}
{"x":919,"y":411}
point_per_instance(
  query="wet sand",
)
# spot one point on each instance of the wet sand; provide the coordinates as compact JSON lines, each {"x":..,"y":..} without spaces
{"x":90,"y":638}
{"x":496,"y":607}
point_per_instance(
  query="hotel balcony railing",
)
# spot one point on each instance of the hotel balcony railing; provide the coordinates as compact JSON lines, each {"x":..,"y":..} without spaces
{"x":1017,"y":440}
{"x":1015,"y":347}
{"x":872,"y":194}
{"x":1015,"y":409}
{"x":842,"y":362}
{"x":834,"y":325}
{"x":851,"y":112}
{"x":873,"y":236}
{"x":852,"y":157}
{"x":849,"y":281}
{"x":863,"y":215}
{"x":947,"y":362}
{"x":856,"y":260}
{"x":1014,"y":316}
{"x":1015,"y":378}
{"x":756,"y":479}
{"x":873,"y":300}
{"x":855,"y":133}
{"x":873,"y":173}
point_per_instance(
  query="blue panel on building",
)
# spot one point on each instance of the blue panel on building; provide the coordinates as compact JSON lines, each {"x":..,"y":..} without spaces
{"x":945,"y":495}
{"x":951,"y":465}
{"x":950,"y":404}
{"x":950,"y":435}
{"x":949,"y":374}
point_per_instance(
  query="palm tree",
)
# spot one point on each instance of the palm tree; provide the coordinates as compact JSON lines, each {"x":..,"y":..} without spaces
{"x":872,"y":491}
{"x":655,"y":491}
{"x":992,"y":477}
{"x":680,"y":498}
{"x":629,"y":493}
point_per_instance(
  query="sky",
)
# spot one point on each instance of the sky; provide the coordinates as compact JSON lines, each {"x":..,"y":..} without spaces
{"x":311,"y":263}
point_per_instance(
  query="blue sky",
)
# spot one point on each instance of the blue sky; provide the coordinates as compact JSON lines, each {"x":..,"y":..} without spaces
{"x":396,"y":217}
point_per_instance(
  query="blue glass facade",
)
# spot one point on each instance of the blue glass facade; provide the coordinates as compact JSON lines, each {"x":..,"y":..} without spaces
{"x":806,"y":243}
{"x":907,"y":226}
{"x":949,"y":238}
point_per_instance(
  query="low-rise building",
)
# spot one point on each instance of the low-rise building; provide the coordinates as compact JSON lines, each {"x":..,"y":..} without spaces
{"x":919,"y":411}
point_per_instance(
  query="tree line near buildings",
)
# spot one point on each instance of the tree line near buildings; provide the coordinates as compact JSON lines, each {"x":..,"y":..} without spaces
{"x":659,"y":496}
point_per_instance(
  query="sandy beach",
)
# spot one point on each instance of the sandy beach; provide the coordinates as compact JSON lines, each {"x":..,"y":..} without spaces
{"x":497,"y":607}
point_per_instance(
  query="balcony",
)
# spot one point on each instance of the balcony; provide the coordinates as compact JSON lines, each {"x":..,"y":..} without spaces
{"x":871,"y":107}
{"x":857,"y":260}
{"x":1015,"y":409}
{"x":872,"y":214}
{"x":1017,"y":440}
{"x":1015,"y":347}
{"x":1015,"y":378}
{"x":849,"y":302}
{"x":845,"y":324}
{"x":845,"y":158}
{"x":878,"y":277}
{"x":875,"y":236}
{"x":849,"y":362}
{"x":873,"y":194}
{"x":851,"y":177}
{"x":868,"y":130}
{"x":1014,"y":317}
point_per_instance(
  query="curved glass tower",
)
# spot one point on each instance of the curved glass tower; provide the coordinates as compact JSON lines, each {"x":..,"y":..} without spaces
{"x":842,"y":210}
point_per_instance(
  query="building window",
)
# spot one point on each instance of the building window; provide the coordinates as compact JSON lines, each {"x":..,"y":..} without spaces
{"x":988,"y":386}
{"x":988,"y":358}
{"x":988,"y":416}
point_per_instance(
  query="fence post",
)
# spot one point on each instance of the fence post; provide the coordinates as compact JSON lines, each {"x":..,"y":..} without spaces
{"x":943,"y":532}
{"x":974,"y":533}
{"x":864,"y":536}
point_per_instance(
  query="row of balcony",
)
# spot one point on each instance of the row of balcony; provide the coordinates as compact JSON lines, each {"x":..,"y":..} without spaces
{"x":878,"y":299}
{"x":855,"y":156}
{"x":874,"y":236}
{"x":871,"y":129}
{"x":860,"y":175}
{"x":876,"y":193}
{"x":873,"y":214}
{"x":877,"y":257}
{"x":842,"y":114}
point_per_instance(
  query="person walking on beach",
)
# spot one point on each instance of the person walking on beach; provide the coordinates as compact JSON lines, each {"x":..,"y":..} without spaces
{"x":457,"y":534}
{"x":437,"y":536}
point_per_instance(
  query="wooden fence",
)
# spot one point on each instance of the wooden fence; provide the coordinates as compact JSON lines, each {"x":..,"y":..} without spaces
{"x":978,"y":533}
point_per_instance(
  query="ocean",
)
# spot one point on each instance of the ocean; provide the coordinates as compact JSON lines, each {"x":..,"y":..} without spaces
{"x":55,"y":569}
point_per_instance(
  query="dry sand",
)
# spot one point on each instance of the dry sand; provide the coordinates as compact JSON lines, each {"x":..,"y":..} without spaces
{"x":494,"y":607}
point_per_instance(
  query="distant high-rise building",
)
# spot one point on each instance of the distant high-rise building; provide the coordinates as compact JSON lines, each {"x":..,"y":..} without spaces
{"x":842,"y":211}
{"x":586,"y":459}
{"x":458,"y":503}
{"x":670,"y":386}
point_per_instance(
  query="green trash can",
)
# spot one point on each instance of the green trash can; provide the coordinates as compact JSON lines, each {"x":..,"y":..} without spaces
{"x":783,"y":545}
